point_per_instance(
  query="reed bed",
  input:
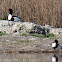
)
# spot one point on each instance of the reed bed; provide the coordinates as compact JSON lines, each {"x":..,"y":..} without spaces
{"x":38,"y":11}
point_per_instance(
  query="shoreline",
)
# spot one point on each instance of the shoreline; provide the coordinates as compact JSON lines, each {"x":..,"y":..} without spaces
{"x":32,"y":51}
{"x":26,"y":44}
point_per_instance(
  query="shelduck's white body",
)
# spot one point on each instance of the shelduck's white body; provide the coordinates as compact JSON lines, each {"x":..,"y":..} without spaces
{"x":53,"y":45}
{"x":17,"y":18}
{"x":9,"y":17}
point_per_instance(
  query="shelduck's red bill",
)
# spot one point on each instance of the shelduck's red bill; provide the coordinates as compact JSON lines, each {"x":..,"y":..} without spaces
{"x":8,"y":9}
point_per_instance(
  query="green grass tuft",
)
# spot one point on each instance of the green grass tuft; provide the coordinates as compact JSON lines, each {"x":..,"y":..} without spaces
{"x":2,"y":33}
{"x":50,"y":35}
{"x":43,"y":36}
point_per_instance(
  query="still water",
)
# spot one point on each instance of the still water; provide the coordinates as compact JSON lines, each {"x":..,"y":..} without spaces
{"x":33,"y":57}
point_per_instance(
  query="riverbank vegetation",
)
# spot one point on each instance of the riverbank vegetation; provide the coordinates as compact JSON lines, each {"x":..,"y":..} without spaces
{"x":40,"y":35}
{"x":2,"y":33}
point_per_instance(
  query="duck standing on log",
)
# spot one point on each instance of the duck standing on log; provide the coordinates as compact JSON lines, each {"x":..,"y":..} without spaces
{"x":55,"y":45}
{"x":11,"y":17}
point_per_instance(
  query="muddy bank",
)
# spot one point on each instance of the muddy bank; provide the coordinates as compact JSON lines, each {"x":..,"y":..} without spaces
{"x":26,"y":44}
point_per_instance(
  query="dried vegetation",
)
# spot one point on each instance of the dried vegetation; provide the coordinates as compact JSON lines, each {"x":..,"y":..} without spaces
{"x":37,"y":11}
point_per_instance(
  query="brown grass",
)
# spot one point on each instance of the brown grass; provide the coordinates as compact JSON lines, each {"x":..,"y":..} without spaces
{"x":37,"y":11}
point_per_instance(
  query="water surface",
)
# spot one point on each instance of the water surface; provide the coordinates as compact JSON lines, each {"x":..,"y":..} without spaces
{"x":33,"y":57}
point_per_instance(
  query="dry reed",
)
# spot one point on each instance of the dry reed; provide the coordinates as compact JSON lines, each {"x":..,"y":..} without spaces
{"x":37,"y":11}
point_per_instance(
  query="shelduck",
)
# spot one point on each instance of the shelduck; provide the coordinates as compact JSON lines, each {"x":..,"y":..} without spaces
{"x":11,"y":17}
{"x":55,"y":45}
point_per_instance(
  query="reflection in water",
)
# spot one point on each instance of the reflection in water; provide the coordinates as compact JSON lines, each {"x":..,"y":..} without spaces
{"x":57,"y":57}
{"x":54,"y":58}
{"x":33,"y":57}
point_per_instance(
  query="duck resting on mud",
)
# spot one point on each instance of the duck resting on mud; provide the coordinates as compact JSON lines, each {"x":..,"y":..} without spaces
{"x":55,"y":45}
